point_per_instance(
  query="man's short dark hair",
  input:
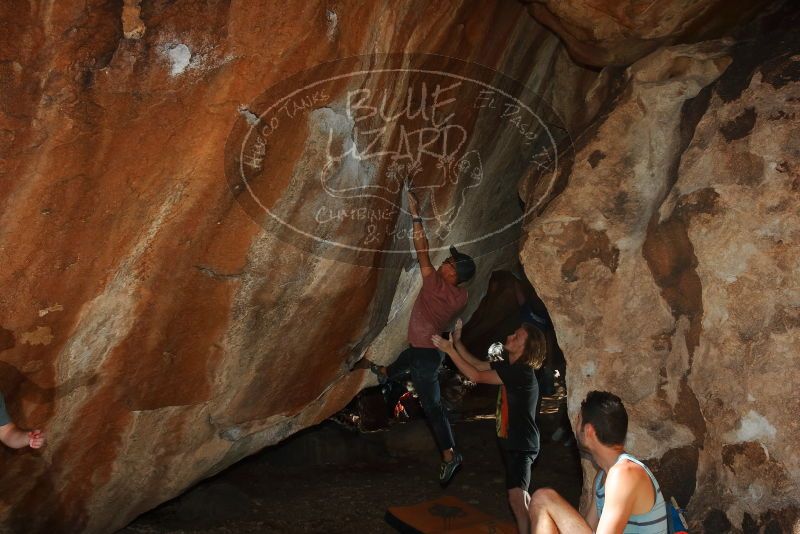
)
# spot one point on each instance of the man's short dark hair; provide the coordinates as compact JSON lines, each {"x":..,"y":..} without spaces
{"x":607,"y":415}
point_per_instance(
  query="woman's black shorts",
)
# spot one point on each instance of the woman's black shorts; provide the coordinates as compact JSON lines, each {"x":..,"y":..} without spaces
{"x":518,"y":468}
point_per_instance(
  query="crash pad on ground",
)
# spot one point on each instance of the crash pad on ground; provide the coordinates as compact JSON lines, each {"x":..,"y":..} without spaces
{"x":445,"y":514}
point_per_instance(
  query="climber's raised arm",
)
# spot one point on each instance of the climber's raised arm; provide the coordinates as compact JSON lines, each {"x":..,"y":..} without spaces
{"x":420,"y":239}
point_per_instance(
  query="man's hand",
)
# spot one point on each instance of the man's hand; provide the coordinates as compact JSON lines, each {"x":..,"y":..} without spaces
{"x":35,"y":439}
{"x":456,"y":334}
{"x":413,"y":204}
{"x":442,"y":344}
{"x":487,"y":376}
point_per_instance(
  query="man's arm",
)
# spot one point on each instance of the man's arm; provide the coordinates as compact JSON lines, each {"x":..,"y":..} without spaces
{"x":620,"y":487}
{"x":420,"y":239}
{"x":481,"y":377}
{"x":480,"y":365}
{"x":13,"y":437}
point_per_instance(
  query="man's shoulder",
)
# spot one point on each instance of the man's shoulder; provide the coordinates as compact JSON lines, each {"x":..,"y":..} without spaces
{"x":461,"y":293}
{"x":428,"y":271}
{"x":430,"y":275}
{"x":625,"y":467}
{"x":627,"y":474}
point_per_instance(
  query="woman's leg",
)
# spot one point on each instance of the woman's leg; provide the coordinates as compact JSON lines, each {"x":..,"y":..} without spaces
{"x":519,"y":500}
{"x":518,"y":478}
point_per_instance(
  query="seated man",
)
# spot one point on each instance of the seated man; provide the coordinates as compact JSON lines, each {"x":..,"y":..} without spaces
{"x":627,"y":497}
{"x":525,"y":349}
{"x":13,"y":437}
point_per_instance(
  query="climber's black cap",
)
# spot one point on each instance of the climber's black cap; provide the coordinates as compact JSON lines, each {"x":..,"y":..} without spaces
{"x":465,"y":266}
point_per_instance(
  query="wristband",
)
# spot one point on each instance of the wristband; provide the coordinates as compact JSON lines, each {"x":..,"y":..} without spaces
{"x":416,"y":219}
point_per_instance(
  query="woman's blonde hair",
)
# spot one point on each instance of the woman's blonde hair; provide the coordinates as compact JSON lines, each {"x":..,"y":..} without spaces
{"x":535,"y":352}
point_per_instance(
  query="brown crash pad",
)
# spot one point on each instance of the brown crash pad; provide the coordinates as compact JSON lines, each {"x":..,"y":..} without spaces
{"x":446,"y":514}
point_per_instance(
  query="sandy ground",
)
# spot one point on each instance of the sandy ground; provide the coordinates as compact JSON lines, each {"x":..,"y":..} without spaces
{"x":335,"y":480}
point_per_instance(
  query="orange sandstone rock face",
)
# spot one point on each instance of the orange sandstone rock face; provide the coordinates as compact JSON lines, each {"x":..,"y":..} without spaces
{"x":669,"y":264}
{"x":151,"y":325}
{"x":601,"y":32}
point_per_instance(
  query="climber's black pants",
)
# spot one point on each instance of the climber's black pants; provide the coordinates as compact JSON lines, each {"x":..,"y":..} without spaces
{"x":423,"y":366}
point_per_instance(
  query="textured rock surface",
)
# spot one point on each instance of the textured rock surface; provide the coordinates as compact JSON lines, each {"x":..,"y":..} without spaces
{"x":160,"y":335}
{"x":603,"y":32}
{"x":669,"y":264}
{"x":148,"y":324}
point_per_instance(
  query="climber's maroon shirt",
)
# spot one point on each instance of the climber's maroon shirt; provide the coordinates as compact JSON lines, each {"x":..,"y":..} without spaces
{"x":437,"y":305}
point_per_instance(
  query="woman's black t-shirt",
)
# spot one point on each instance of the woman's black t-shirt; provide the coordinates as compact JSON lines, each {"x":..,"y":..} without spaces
{"x":522,"y":395}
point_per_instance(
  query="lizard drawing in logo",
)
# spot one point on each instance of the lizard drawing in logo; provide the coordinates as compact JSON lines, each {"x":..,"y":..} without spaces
{"x":444,"y":179}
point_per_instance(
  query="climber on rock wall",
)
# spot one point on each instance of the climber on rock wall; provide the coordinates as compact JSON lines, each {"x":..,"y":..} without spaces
{"x":439,"y":302}
{"x":626,"y":495}
{"x":526,"y":350}
{"x":14,"y":437}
